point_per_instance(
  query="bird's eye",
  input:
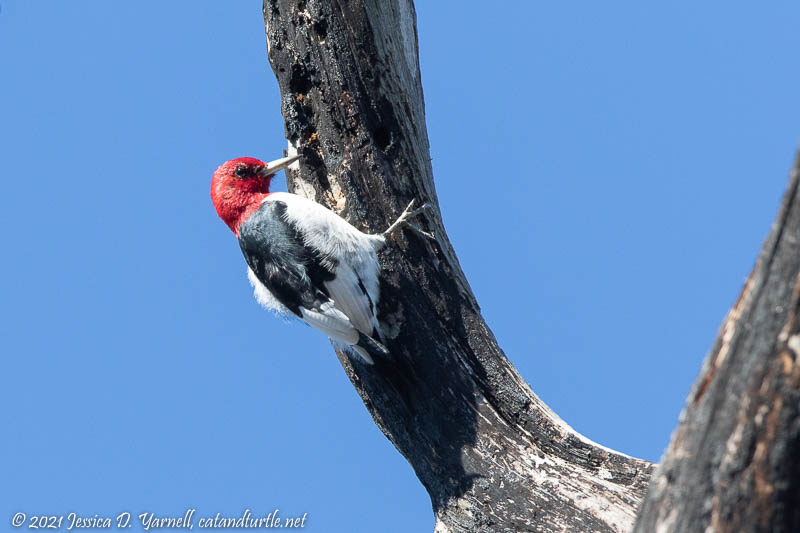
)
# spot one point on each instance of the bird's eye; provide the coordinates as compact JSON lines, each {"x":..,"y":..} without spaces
{"x":241,"y":171}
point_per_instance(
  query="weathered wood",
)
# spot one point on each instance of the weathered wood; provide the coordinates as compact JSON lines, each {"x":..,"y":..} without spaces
{"x":733,"y":464}
{"x":492,"y":456}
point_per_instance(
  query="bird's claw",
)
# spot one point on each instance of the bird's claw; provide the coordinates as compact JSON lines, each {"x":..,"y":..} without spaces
{"x":417,"y":211}
{"x":405,"y":215}
{"x":421,"y":231}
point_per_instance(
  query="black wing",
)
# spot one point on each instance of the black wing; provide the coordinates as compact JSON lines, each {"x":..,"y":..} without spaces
{"x":293,"y":272}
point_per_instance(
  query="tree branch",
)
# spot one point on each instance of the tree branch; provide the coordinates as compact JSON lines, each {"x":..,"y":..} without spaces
{"x":491,"y":455}
{"x":733,"y":464}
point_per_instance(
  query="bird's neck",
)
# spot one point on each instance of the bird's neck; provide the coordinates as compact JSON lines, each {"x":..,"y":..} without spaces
{"x":237,"y":210}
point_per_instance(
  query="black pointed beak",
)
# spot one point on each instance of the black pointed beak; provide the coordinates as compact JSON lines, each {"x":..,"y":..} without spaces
{"x":279,"y":164}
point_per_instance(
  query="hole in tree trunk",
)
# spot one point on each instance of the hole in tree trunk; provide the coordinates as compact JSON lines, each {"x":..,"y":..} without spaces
{"x":321,"y":29}
{"x":382,"y":137}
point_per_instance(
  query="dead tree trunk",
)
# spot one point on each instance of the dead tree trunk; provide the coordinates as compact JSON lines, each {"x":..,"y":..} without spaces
{"x":492,"y":456}
{"x":734,"y":462}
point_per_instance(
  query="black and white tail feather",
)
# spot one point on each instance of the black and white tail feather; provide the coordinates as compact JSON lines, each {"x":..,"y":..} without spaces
{"x":308,"y":262}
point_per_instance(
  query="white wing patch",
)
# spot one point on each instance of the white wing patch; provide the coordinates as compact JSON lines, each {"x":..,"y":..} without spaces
{"x":331,"y":322}
{"x":345,"y":291}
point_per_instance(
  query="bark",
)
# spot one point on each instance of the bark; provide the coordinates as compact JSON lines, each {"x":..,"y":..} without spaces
{"x":733,"y":464}
{"x":491,"y":455}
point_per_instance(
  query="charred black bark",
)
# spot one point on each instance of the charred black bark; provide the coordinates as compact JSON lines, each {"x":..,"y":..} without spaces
{"x":492,"y":456}
{"x":734,"y":462}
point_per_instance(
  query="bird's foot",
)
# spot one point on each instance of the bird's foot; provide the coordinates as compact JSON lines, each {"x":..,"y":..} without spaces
{"x":403,"y":219}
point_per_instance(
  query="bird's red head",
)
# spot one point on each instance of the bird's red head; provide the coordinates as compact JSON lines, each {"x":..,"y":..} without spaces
{"x":240,"y":185}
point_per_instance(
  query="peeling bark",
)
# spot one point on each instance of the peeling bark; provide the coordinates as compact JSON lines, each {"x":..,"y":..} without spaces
{"x":733,"y":464}
{"x":490,"y":453}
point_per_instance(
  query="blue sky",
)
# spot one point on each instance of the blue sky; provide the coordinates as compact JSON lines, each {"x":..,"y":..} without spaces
{"x":639,"y":156}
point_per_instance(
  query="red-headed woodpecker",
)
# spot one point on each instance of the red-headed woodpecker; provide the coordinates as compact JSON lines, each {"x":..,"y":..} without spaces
{"x":304,"y":259}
